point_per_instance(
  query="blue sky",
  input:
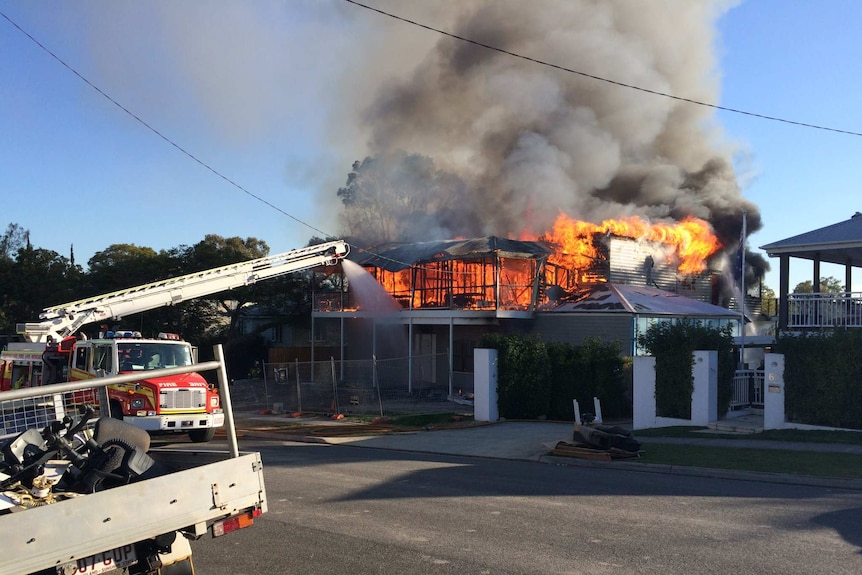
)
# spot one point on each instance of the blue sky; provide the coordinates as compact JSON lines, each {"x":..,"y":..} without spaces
{"x":269,"y":95}
{"x":795,"y":60}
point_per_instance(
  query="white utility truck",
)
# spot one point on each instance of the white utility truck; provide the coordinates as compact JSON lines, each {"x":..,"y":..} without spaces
{"x":83,"y":494}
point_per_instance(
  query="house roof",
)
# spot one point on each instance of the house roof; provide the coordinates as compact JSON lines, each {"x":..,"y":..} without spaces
{"x":836,"y":244}
{"x":396,"y":257}
{"x":640,"y":300}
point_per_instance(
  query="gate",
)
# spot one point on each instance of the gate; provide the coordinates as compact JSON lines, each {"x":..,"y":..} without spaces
{"x":747,"y":389}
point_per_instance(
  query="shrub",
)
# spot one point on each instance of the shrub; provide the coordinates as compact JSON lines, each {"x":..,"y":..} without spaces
{"x":536,"y":379}
{"x":823,"y":378}
{"x":672,"y":345}
{"x":523,"y":388}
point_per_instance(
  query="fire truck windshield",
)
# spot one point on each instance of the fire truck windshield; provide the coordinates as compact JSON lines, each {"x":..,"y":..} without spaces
{"x":137,"y":355}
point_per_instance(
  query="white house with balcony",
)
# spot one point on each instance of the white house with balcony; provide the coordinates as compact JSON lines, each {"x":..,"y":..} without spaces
{"x":839,"y":244}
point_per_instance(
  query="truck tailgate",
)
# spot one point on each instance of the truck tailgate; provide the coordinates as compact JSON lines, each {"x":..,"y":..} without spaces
{"x":205,"y":487}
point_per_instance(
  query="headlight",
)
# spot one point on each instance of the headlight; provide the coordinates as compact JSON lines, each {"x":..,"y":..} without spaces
{"x":214,"y":401}
{"x":137,"y":403}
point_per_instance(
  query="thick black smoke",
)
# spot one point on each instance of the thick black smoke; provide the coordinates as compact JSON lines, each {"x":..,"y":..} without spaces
{"x":527,"y":141}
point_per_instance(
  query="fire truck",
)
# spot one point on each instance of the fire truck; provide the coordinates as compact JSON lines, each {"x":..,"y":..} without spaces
{"x":55,"y":350}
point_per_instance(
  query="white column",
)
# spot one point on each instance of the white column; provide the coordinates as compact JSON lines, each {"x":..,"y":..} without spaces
{"x":644,"y":393}
{"x":773,"y":392}
{"x":597,"y":405}
{"x":485,"y":385}
{"x":704,"y":397}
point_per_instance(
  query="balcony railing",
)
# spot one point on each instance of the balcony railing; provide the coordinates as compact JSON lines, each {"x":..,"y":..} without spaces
{"x":817,"y":310}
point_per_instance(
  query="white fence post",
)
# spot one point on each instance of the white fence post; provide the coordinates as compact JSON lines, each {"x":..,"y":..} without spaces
{"x":704,"y":397}
{"x":644,"y":393}
{"x":485,"y":406}
{"x":773,"y":393}
{"x":597,"y":405}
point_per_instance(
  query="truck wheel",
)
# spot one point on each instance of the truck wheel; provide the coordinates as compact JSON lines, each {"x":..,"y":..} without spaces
{"x":116,"y":410}
{"x":202,"y":435}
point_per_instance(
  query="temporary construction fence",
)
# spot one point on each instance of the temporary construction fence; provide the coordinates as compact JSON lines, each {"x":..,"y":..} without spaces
{"x":379,"y":387}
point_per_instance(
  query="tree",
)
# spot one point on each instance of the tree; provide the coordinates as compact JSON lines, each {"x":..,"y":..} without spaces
{"x":14,"y":238}
{"x":34,"y":280}
{"x":403,"y":197}
{"x":121,"y":266}
{"x":769,"y":301}
{"x":827,"y":285}
{"x":216,"y":251}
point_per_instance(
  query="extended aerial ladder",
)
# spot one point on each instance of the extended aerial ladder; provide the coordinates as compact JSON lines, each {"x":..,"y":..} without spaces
{"x":60,"y":321}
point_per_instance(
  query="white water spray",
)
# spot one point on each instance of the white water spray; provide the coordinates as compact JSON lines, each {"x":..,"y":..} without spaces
{"x":370,"y":295}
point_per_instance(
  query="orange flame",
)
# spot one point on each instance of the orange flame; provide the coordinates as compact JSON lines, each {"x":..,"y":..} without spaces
{"x":485,"y":283}
{"x":692,"y":240}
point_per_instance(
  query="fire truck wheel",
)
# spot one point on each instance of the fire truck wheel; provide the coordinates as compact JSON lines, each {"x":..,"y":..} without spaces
{"x":202,"y":435}
{"x":116,"y":410}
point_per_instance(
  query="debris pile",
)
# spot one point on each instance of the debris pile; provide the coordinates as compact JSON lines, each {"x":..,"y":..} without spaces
{"x":599,"y":442}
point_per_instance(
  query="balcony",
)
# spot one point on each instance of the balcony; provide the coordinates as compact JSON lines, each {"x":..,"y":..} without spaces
{"x":464,"y":301}
{"x":824,"y":310}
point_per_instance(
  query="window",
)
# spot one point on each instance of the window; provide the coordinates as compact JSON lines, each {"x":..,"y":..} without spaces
{"x":103,"y":358}
{"x":82,"y":356}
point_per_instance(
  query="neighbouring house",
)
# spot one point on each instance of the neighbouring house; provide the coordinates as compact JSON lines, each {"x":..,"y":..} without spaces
{"x":839,"y":244}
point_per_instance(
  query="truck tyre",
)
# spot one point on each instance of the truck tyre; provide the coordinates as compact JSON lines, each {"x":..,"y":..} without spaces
{"x":202,"y":435}
{"x":116,"y":410}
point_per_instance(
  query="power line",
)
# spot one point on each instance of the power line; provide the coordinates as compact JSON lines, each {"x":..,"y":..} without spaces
{"x":600,"y":78}
{"x":408,"y":21}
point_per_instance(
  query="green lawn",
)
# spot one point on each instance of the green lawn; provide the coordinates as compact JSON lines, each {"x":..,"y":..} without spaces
{"x":799,"y":435}
{"x":761,"y":460}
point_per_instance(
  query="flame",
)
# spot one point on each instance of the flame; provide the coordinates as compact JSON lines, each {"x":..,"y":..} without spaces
{"x":509,"y":283}
{"x":692,"y":240}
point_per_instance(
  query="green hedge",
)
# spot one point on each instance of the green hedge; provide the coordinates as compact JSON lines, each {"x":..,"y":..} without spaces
{"x":537,"y":379}
{"x":672,"y":345}
{"x":823,"y":378}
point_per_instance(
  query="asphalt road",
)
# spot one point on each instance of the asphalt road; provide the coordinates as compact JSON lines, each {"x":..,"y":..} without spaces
{"x":339,"y":509}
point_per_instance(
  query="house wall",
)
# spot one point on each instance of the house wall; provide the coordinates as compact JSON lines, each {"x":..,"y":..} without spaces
{"x":287,"y":354}
{"x":628,"y":265}
{"x":362,"y":339}
{"x":575,"y":328}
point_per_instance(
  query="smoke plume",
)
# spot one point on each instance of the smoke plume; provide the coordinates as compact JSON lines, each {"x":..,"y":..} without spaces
{"x":526,"y":141}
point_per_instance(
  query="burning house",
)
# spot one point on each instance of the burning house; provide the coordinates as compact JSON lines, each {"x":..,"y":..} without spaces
{"x":467,"y":142}
{"x":439,"y":298}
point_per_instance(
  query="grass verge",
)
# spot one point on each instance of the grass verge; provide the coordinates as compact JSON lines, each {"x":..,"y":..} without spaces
{"x":759,"y":460}
{"x":798,"y":435}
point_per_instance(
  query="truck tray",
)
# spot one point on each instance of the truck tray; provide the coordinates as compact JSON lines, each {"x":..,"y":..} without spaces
{"x":201,"y":487}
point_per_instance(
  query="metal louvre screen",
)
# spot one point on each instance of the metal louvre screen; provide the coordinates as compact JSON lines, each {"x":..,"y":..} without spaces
{"x":19,"y":415}
{"x":362,"y":387}
{"x":182,"y":399}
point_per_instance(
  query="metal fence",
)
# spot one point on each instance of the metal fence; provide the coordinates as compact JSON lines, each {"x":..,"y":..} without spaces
{"x":19,"y":415}
{"x":36,"y":407}
{"x":379,"y":387}
{"x":747,"y":388}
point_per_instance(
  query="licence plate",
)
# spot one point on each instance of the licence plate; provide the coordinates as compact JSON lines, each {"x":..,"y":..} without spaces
{"x":103,"y":562}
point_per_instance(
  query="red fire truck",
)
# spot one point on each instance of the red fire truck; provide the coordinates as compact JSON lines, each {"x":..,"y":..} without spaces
{"x":55,"y":350}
